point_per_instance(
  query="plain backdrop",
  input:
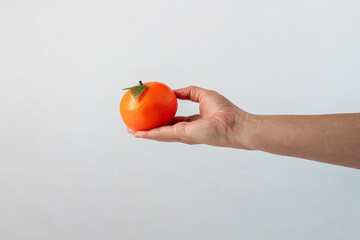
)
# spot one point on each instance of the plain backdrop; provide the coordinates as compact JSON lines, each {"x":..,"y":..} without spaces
{"x":69,"y":170}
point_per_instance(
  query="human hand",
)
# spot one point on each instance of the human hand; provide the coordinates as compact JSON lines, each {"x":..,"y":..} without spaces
{"x":219,"y":123}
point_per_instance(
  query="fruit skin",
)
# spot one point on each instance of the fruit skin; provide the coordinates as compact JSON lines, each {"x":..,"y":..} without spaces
{"x":155,"y":107}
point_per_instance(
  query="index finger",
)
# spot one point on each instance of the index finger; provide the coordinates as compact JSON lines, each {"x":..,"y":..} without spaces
{"x":192,"y":93}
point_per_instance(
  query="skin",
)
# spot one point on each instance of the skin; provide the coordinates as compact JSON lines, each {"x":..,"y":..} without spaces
{"x":330,"y":138}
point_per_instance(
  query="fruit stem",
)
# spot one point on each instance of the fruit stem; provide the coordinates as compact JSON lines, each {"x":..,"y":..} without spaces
{"x":136,"y":91}
{"x":141,"y":84}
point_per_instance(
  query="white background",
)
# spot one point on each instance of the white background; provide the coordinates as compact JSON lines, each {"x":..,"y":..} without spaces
{"x":69,"y":170}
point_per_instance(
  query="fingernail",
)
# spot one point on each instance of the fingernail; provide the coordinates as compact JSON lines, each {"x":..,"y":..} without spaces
{"x":178,"y":90}
{"x":129,"y":130}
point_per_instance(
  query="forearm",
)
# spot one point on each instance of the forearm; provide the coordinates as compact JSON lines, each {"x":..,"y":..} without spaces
{"x":333,"y":138}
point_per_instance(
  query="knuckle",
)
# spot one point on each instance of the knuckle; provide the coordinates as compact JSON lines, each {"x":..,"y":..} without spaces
{"x":154,"y":133}
{"x":213,"y":92}
{"x":180,"y":129}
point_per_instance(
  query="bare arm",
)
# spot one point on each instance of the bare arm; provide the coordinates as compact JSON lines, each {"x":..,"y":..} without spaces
{"x":333,"y":138}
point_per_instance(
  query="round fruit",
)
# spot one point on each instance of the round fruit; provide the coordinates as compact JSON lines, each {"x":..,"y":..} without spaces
{"x":148,"y":106}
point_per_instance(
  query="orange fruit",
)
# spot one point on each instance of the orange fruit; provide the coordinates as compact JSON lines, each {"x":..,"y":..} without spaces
{"x":148,"y":106}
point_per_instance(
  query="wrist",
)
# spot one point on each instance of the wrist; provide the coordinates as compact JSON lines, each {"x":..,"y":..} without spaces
{"x":248,"y":129}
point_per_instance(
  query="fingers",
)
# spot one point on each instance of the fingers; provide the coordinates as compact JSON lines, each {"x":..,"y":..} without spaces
{"x":129,"y":130}
{"x":163,"y":134}
{"x":192,"y":93}
{"x":184,"y":119}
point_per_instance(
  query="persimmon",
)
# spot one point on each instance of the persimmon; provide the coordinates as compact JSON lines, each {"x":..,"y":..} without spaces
{"x":148,"y":106}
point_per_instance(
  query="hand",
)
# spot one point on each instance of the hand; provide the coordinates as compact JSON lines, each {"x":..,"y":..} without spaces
{"x":219,"y":123}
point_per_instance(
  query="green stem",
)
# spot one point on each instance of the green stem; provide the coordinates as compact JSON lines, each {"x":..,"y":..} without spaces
{"x":136,"y":91}
{"x":141,"y":84}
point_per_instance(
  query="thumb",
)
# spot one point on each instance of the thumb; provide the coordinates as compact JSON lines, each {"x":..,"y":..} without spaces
{"x":192,"y":93}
